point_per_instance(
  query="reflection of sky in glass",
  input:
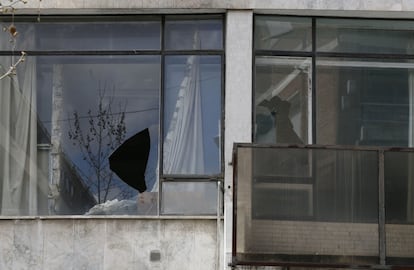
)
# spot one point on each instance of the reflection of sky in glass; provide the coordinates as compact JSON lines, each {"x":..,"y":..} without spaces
{"x":131,"y":82}
{"x":179,"y":34}
{"x":77,"y":36}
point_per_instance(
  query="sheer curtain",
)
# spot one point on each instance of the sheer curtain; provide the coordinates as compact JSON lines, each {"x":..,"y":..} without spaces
{"x":183,"y":144}
{"x":18,"y":141}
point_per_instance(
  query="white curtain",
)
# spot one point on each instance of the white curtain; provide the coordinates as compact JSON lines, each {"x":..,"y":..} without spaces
{"x":183,"y":144}
{"x":18,"y":141}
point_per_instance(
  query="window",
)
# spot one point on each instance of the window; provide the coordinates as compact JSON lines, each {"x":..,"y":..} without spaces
{"x":333,"y":81}
{"x":192,"y":116}
{"x":106,"y":113}
{"x":345,"y":85}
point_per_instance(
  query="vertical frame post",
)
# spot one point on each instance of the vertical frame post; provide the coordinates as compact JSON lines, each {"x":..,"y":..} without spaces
{"x":381,"y":208}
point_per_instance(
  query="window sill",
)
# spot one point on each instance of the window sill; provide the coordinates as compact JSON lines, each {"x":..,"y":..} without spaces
{"x":114,"y":217}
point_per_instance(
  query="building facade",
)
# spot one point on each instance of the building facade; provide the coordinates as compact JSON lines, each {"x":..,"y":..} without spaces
{"x":207,"y":135}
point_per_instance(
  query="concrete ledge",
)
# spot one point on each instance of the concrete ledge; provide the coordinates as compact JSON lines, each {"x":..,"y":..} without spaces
{"x":109,"y":217}
{"x":104,"y":244}
{"x":355,"y":8}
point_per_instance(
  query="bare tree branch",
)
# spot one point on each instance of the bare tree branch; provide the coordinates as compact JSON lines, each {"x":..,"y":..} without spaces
{"x":97,"y":137}
{"x":9,"y":7}
{"x":12,"y":69}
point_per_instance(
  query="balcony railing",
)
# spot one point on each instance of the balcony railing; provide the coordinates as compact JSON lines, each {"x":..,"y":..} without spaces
{"x":323,"y":206}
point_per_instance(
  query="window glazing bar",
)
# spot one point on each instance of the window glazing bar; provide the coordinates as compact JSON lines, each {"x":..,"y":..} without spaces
{"x":381,"y":208}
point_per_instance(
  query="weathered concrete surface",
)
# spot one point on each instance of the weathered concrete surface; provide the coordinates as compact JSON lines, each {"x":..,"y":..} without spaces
{"x":392,"y":8}
{"x":107,"y":244}
{"x":238,"y":103}
{"x":386,"y":5}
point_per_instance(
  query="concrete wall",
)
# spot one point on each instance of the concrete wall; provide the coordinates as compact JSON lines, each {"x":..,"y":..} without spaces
{"x":95,"y":244}
{"x":321,"y":7}
{"x":238,"y":104}
{"x":183,"y":244}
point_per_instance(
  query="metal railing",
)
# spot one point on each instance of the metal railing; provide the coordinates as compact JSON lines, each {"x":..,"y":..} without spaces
{"x":323,"y":206}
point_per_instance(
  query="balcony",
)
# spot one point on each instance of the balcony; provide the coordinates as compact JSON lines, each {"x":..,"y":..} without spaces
{"x":323,"y":206}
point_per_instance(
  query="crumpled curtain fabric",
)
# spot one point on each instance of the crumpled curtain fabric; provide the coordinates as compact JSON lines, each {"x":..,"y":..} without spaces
{"x":18,"y":141}
{"x":183,"y":144}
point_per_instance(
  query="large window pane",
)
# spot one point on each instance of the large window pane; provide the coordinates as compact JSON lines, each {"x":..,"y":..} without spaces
{"x":192,"y":115}
{"x":193,"y":34}
{"x":292,"y":204}
{"x":88,"y":108}
{"x":283,"y":33}
{"x":281,"y":99}
{"x":364,"y":102}
{"x":189,"y":198}
{"x":399,"y":187}
{"x":365,"y":36}
{"x":81,"y":115}
{"x":109,"y":99}
{"x":136,"y":35}
{"x":399,"y":207}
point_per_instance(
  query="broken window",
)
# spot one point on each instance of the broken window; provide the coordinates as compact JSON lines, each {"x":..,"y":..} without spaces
{"x":82,"y":118}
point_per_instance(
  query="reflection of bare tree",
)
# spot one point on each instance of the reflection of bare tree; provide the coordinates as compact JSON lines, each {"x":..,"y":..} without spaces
{"x":104,"y":132}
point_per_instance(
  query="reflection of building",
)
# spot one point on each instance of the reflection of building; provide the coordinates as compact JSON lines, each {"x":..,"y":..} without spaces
{"x":271,"y":76}
{"x":68,"y":195}
{"x":73,"y":197}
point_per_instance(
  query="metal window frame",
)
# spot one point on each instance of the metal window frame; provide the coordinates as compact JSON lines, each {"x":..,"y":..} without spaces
{"x":314,"y":55}
{"x":163,"y":53}
{"x":218,"y":178}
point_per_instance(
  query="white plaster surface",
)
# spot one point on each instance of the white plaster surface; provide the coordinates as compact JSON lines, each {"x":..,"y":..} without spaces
{"x":238,"y":102}
{"x":6,"y":245}
{"x":27,"y":245}
{"x":104,"y":244}
{"x":404,"y":7}
{"x":58,"y":243}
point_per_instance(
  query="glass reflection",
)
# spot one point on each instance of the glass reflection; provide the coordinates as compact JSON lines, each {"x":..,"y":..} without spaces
{"x":399,"y":206}
{"x":96,"y":104}
{"x":189,"y":198}
{"x":281,"y":100}
{"x":192,"y":100}
{"x":283,"y":33}
{"x":399,"y":187}
{"x":75,"y":36}
{"x":193,"y":34}
{"x":364,"y":36}
{"x":363,"y":102}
